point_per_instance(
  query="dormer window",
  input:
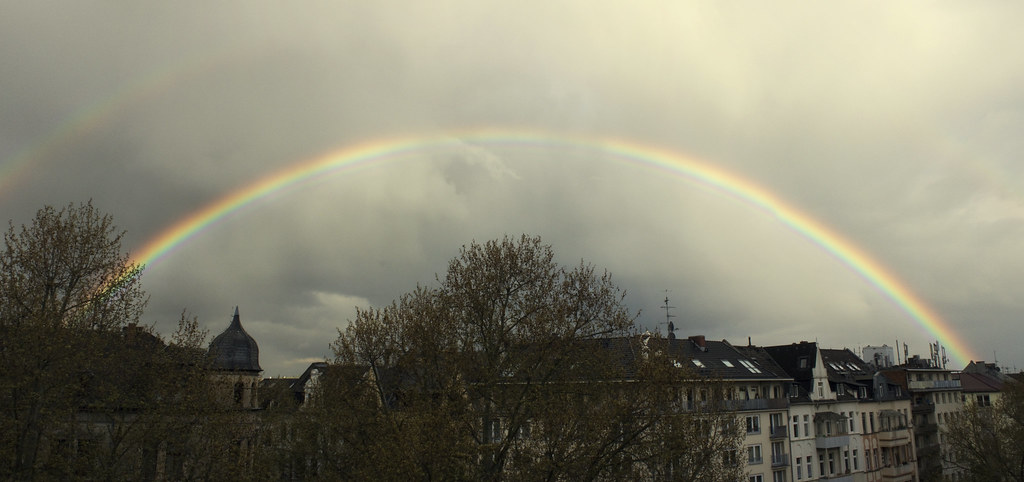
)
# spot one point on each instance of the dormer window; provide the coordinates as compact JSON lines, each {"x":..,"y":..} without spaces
{"x":802,"y":362}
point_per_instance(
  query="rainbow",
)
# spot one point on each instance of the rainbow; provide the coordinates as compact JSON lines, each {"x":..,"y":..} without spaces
{"x":89,"y":117}
{"x":701,"y":173}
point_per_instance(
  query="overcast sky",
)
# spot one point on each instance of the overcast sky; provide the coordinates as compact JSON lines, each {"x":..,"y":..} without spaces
{"x":899,"y":126}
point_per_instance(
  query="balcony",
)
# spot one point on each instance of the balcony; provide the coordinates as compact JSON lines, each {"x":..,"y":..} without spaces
{"x":928,"y":452}
{"x":923,"y":408}
{"x":898,"y":471}
{"x":847,"y":477}
{"x":780,"y":460}
{"x":934,"y":385}
{"x":757,"y":404}
{"x":778,"y":431}
{"x":894,"y":437}
{"x":927,"y":429}
{"x":832,"y":441}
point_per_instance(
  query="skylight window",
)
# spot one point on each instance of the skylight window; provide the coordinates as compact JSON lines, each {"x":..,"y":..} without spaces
{"x":698,"y":363}
{"x":727,"y":363}
{"x":750,"y":366}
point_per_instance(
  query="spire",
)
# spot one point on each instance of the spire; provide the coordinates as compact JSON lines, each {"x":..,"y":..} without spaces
{"x":234,"y":349}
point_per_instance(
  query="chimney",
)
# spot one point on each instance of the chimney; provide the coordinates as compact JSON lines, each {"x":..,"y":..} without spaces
{"x":699,"y":341}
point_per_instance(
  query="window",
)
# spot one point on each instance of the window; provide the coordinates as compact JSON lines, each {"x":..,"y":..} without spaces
{"x":810,"y":469}
{"x":821,"y":389}
{"x":730,"y":459}
{"x":796,"y":426}
{"x":239,"y":389}
{"x":851,"y":423}
{"x":524,"y":431}
{"x":775,"y":422}
{"x":778,"y":476}
{"x":855,"y":467}
{"x":756,"y":478}
{"x":750,"y":366}
{"x":799,"y":468}
{"x":727,"y":363}
{"x":871,"y":416}
{"x":807,"y":427}
{"x":753,"y":423}
{"x":846,"y":460}
{"x":495,"y":431}
{"x":831,"y":462}
{"x":778,"y":453}
{"x":984,"y":401}
{"x":698,"y":363}
{"x":754,"y":454}
{"x":803,"y":362}
{"x":863,"y":421}
{"x":841,"y":388}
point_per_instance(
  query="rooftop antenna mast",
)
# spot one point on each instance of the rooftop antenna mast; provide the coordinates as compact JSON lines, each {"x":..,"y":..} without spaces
{"x":668,"y":318}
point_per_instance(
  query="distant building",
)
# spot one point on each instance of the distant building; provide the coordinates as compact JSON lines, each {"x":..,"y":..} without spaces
{"x":879,"y":356}
{"x":982,"y":383}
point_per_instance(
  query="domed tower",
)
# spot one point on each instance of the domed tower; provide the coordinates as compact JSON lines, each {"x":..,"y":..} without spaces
{"x":236,"y":358}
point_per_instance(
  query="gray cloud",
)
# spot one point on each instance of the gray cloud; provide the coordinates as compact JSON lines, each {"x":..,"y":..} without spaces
{"x":897,"y":126}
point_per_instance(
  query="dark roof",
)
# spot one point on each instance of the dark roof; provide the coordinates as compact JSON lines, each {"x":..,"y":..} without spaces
{"x":788,"y":357}
{"x":234,"y":349}
{"x":762,"y":359}
{"x":843,"y":365}
{"x":979,"y":382}
{"x":720,"y":359}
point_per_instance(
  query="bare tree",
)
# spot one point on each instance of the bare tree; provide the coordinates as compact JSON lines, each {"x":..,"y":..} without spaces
{"x":988,"y":442}
{"x":86,"y":391}
{"x":64,"y":285}
{"x":517,"y":367}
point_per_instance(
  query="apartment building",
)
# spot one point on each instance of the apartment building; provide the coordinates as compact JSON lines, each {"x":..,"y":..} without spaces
{"x":845,"y":424}
{"x":936,"y":397}
{"x":777,"y":465}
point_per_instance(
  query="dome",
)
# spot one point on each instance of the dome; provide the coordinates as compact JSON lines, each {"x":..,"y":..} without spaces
{"x":234,"y":349}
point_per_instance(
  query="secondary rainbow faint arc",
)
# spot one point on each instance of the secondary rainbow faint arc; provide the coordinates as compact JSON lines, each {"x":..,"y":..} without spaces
{"x":700,"y":172}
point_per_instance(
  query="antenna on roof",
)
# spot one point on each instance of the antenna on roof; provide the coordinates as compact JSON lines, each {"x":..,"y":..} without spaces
{"x":668,"y":318}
